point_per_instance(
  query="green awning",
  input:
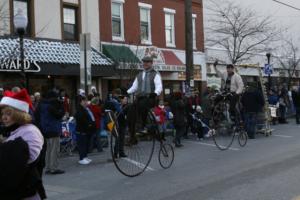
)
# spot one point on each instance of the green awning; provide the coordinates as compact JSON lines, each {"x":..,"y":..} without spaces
{"x":120,"y":54}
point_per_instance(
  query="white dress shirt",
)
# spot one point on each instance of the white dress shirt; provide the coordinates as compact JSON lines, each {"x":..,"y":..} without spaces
{"x":157,"y":83}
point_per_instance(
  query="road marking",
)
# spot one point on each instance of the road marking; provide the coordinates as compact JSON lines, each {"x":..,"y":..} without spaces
{"x":138,"y":164}
{"x":212,"y":145}
{"x":283,"y":136}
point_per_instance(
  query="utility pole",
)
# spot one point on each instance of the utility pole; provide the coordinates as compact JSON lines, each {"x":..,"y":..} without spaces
{"x":189,"y":45}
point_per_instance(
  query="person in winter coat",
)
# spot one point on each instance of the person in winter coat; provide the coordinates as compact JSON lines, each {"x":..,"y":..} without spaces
{"x":48,"y":117}
{"x":253,"y":102}
{"x":161,"y":117}
{"x":296,"y":101}
{"x":283,"y":105}
{"x":178,"y":110}
{"x":97,"y":112}
{"x":85,"y":127}
{"x":20,"y":154}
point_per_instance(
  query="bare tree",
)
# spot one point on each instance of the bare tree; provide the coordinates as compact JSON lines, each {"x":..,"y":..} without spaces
{"x":289,"y":59}
{"x":239,"y":30}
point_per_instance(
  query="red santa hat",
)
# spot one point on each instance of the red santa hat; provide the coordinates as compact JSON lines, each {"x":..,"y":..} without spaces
{"x":20,"y":100}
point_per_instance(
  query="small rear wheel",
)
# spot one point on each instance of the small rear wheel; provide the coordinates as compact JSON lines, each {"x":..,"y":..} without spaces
{"x":166,"y":156}
{"x":243,"y":138}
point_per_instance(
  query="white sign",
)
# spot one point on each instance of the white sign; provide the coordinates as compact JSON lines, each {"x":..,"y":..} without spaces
{"x":159,"y":61}
{"x":214,"y":82}
{"x":8,"y":65}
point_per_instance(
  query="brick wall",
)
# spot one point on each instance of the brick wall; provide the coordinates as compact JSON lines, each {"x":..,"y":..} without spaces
{"x":132,"y":22}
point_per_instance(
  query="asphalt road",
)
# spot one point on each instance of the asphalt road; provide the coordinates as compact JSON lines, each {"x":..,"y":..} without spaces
{"x":268,"y":168}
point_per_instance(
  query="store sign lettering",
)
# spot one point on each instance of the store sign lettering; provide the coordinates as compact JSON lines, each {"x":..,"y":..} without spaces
{"x":177,"y":68}
{"x":16,"y":66}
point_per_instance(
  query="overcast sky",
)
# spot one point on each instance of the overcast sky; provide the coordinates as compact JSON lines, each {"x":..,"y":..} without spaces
{"x":283,"y":16}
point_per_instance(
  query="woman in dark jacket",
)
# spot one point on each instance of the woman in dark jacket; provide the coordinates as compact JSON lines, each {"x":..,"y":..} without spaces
{"x":85,"y":127}
{"x":178,"y":110}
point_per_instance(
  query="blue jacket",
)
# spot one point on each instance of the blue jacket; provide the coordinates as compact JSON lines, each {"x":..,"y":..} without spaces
{"x":273,"y":99}
{"x":49,"y":117}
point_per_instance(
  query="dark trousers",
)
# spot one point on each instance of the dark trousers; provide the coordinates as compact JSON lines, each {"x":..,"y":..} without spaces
{"x":282,"y":114}
{"x":297,"y":115}
{"x":188,"y":125}
{"x":144,"y":104}
{"x":179,"y":133}
{"x":83,"y":141}
{"x":206,"y":129}
{"x":233,"y":105}
{"x":119,"y":146}
{"x":250,"y":123}
{"x":95,"y":141}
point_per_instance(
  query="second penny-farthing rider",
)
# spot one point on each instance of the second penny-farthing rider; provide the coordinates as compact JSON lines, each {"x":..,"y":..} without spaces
{"x":233,"y":83}
{"x":146,"y":86}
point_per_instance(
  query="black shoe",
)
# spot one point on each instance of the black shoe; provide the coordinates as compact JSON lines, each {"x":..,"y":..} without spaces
{"x":47,"y":172}
{"x":251,"y":137}
{"x":122,"y":155}
{"x":57,"y":171}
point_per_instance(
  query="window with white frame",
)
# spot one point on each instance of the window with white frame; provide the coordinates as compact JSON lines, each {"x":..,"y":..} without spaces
{"x":117,"y":20}
{"x":23,"y":5}
{"x":169,"y":27}
{"x":194,"y":32}
{"x":145,"y":25}
{"x":70,"y":23}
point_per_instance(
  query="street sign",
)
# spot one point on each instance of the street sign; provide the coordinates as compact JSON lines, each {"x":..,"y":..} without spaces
{"x":268,"y":69}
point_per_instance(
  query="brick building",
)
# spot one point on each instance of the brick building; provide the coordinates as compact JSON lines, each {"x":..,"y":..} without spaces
{"x":131,"y":29}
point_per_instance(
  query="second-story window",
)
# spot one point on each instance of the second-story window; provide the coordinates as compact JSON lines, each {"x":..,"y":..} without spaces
{"x":194,"y":32}
{"x":169,"y":27}
{"x":23,"y":5}
{"x":145,"y":23}
{"x":70,"y":23}
{"x":117,"y":20}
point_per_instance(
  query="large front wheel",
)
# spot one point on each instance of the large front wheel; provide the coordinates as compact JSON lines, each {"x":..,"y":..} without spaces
{"x":223,"y":135}
{"x":132,"y":149}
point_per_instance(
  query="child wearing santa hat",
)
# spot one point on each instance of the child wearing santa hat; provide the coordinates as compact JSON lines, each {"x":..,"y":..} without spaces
{"x":24,"y":143}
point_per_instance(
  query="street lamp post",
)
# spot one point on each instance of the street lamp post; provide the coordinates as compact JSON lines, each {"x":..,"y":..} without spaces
{"x":269,"y":75}
{"x":20,"y":23}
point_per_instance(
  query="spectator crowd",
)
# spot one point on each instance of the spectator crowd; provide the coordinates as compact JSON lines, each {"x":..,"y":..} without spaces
{"x":44,"y":113}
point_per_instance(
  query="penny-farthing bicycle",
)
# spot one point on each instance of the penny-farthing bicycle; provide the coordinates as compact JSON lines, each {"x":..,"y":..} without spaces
{"x":132,"y":148}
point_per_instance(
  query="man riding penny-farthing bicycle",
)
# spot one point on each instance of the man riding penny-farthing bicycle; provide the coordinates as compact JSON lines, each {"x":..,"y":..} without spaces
{"x":146,"y":87}
{"x":227,"y":118}
{"x":140,"y":130}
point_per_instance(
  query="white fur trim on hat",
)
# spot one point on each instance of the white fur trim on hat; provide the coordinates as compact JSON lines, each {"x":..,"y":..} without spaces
{"x":15,"y":103}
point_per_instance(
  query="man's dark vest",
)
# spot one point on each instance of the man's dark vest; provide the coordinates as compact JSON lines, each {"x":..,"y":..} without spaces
{"x":152,"y":75}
